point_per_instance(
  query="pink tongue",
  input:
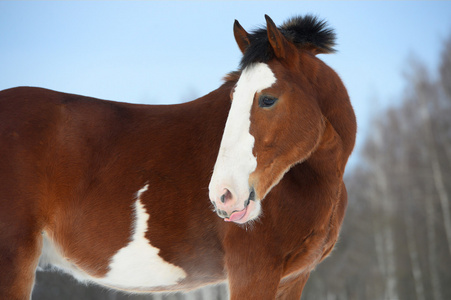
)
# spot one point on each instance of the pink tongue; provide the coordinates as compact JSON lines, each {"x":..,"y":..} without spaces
{"x":236,"y":216}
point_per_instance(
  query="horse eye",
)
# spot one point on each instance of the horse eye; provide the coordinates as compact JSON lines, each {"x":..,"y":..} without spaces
{"x":266,"y":101}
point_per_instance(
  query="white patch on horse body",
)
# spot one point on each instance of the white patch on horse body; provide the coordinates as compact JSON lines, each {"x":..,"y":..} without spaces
{"x":235,"y":160}
{"x":138,"y":264}
{"x":52,"y":258}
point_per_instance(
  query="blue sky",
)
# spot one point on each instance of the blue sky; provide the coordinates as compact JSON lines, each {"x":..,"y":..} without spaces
{"x":171,"y":51}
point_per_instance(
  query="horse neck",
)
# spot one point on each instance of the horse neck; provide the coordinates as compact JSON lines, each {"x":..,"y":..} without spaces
{"x":329,"y":159}
{"x":333,"y":100}
{"x":335,"y":104}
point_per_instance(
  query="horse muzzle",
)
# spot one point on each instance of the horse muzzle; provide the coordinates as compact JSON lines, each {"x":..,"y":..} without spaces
{"x":232,"y":209}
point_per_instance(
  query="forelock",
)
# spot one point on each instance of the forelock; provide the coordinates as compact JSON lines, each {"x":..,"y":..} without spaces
{"x":303,"y":31}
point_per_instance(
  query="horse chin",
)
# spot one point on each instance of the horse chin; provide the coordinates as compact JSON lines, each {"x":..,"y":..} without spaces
{"x":250,"y":213}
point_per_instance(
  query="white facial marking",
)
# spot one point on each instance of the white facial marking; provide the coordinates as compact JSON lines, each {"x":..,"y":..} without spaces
{"x":138,"y":264}
{"x":235,"y":160}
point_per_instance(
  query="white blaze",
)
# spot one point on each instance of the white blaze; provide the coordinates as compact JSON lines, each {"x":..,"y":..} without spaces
{"x":235,"y":160}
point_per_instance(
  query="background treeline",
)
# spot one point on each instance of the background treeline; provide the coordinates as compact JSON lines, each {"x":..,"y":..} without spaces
{"x":396,"y":238}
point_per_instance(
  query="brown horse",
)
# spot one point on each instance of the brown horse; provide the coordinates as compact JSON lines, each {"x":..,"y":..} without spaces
{"x":117,"y":194}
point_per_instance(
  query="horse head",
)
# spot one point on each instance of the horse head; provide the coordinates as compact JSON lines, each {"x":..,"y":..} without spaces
{"x":276,"y":119}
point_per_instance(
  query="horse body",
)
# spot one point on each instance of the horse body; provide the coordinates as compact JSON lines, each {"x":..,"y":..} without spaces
{"x":117,"y":193}
{"x":84,"y":176}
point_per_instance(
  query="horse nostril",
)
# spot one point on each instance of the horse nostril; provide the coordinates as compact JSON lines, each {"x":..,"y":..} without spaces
{"x":252,"y":195}
{"x":251,"y":198}
{"x":226,"y":196}
{"x":222,"y":213}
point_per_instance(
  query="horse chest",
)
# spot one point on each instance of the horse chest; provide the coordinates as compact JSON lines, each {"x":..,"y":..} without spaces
{"x":136,"y":266}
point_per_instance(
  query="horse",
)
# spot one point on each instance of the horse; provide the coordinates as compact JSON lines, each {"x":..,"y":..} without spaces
{"x":243,"y":185}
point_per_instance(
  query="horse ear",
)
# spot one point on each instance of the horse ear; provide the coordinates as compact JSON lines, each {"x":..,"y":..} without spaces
{"x":279,"y":43}
{"x":241,"y":36}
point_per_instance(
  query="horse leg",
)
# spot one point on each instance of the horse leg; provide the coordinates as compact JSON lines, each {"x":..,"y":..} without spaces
{"x":20,"y":248}
{"x":252,"y":273}
{"x":291,"y":288}
{"x":245,"y":283}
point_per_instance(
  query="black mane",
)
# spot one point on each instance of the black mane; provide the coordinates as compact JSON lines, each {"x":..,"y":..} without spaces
{"x":301,"y":31}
